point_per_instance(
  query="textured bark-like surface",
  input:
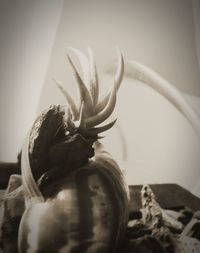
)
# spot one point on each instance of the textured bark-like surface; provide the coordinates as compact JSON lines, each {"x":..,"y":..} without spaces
{"x":47,"y":130}
{"x":169,"y":196}
{"x":161,"y":230}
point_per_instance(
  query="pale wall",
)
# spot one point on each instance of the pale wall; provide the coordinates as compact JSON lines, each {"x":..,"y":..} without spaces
{"x":158,"y":33}
{"x":27,"y":32}
{"x":162,"y":147}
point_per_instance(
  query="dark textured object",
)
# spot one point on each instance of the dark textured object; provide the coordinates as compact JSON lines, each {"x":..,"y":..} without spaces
{"x":47,"y":130}
{"x":138,"y":230}
{"x":149,"y":243}
{"x":169,"y":196}
{"x":6,"y":170}
{"x":156,"y":224}
{"x":195,"y":231}
{"x":12,"y":209}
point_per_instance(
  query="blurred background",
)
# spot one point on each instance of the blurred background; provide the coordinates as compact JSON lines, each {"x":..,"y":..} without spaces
{"x":161,"y":145}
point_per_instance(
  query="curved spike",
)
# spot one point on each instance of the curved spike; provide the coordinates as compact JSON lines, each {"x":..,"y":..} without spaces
{"x":102,"y":103}
{"x":94,"y":87}
{"x":117,"y":81}
{"x":123,"y":142}
{"x":98,"y":130}
{"x":120,"y":69}
{"x":69,"y":122}
{"x":168,"y":90}
{"x":101,"y":137}
{"x":105,"y":113}
{"x":84,"y":65}
{"x":69,"y":99}
{"x":32,"y":192}
{"x":81,"y":124}
{"x":84,"y":93}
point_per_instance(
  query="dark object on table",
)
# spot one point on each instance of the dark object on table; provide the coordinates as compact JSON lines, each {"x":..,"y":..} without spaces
{"x":6,"y":170}
{"x":151,"y":230}
{"x":169,"y":196}
{"x":162,"y":230}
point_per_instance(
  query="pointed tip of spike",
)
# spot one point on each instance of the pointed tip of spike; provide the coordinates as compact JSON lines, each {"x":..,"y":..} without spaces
{"x":90,"y":117}
{"x":100,"y":137}
{"x":97,"y":130}
{"x":59,"y":85}
{"x":56,"y":82}
{"x":69,"y":58}
{"x":80,"y":122}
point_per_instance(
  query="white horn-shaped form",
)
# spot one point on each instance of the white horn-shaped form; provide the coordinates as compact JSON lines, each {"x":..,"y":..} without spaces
{"x":86,"y":116}
{"x":97,"y":130}
{"x":117,"y":80}
{"x":84,"y":65}
{"x":69,"y":99}
{"x":31,"y":190}
{"x":81,"y":123}
{"x":105,"y":113}
{"x":153,"y":79}
{"x":84,"y":93}
{"x":69,"y":121}
{"x":94,"y":86}
{"x":120,"y":69}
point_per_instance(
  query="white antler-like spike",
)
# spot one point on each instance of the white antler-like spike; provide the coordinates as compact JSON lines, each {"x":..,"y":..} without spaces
{"x":153,"y":79}
{"x":84,"y":65}
{"x":69,"y":99}
{"x":69,"y":122}
{"x":94,"y":86}
{"x":81,"y":122}
{"x":117,"y":81}
{"x":31,"y":190}
{"x":84,"y":93}
{"x":105,"y":113}
{"x":89,"y":113}
{"x":97,"y":130}
{"x":120,"y":69}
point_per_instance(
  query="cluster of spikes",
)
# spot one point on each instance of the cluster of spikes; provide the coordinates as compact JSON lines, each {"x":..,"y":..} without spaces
{"x":91,"y":110}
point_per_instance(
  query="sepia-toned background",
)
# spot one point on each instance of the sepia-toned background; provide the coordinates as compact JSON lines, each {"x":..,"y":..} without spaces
{"x":164,"y":35}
